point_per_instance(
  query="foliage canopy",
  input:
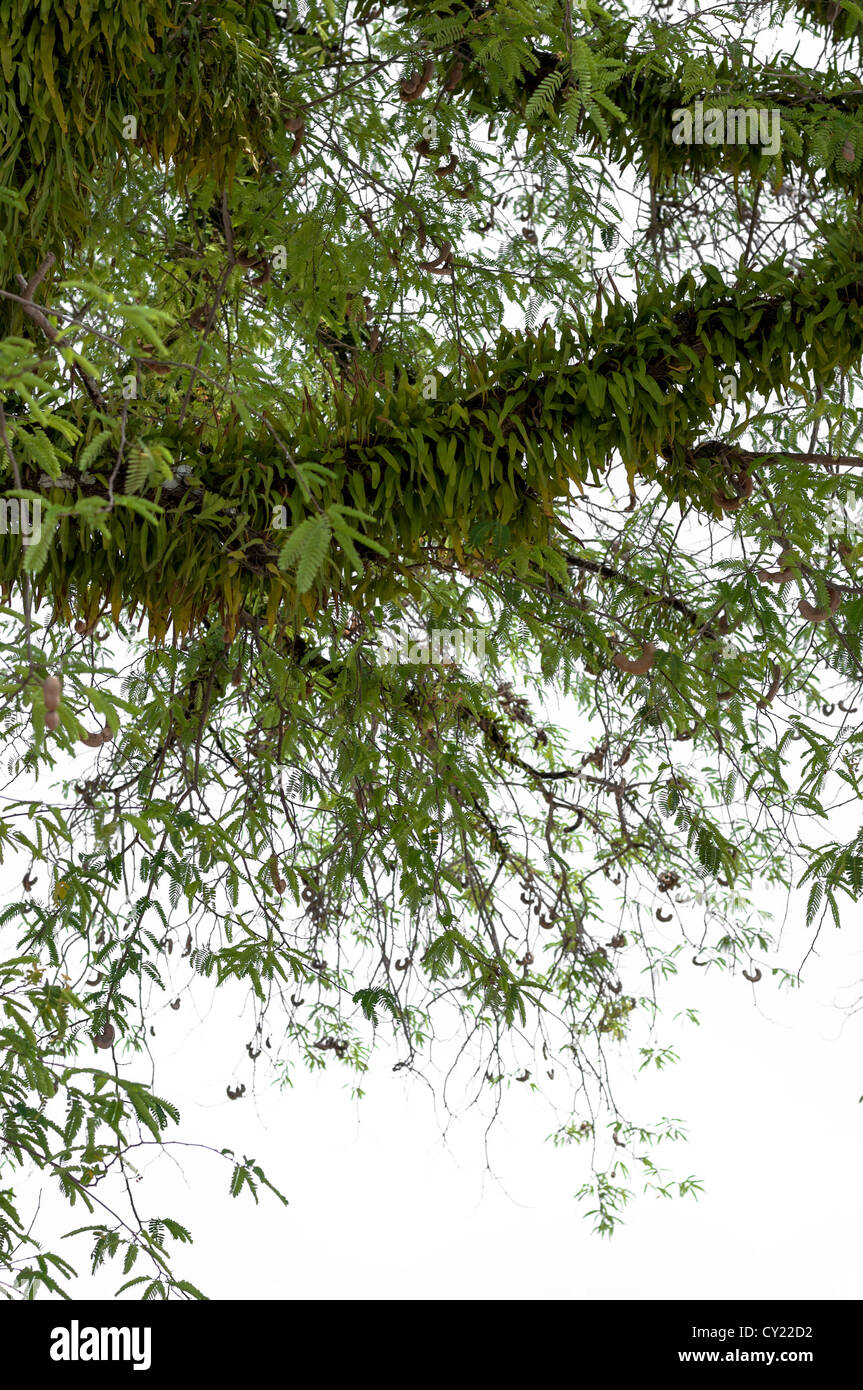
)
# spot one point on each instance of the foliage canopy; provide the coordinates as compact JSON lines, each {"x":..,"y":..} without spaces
{"x":318,"y":323}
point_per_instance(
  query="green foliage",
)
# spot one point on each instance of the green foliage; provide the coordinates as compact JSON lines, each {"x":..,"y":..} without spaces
{"x":284,"y":392}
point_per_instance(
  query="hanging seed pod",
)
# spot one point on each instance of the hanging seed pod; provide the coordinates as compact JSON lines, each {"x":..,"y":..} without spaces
{"x":414,"y":86}
{"x":106,"y":1037}
{"x":454,"y":76}
{"x":52,"y":721}
{"x":96,"y":740}
{"x":640,"y":665}
{"x":812,"y":614}
{"x":278,"y":883}
{"x":51,"y":693}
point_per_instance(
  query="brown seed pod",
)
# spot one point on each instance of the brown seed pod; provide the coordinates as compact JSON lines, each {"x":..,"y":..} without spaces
{"x":753,"y":979}
{"x":298,"y":141}
{"x":106,"y":1037}
{"x":744,"y":490}
{"x":96,"y":740}
{"x":51,"y":689}
{"x":278,"y":883}
{"x":773,"y":688}
{"x":640,"y":665}
{"x":454,"y":76}
{"x":413,"y":88}
{"x":776,"y":576}
{"x":663,"y":916}
{"x":812,"y":614}
{"x":52,"y":721}
{"x":448,"y":168}
{"x":81,"y":626}
{"x":295,"y":123}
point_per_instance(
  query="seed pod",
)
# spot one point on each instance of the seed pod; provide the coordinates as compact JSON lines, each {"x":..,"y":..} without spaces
{"x":295,"y":123}
{"x":106,"y":1037}
{"x":640,"y":665}
{"x":51,"y":693}
{"x":776,"y":576}
{"x":413,"y":88}
{"x":52,"y":720}
{"x":731,"y":505}
{"x":820,"y":615}
{"x":278,"y":883}
{"x":773,"y":687}
{"x":298,"y":140}
{"x":454,"y":76}
{"x":96,"y":740}
{"x":448,"y":168}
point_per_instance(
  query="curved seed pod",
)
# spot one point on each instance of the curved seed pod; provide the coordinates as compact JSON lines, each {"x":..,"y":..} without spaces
{"x":753,"y":979}
{"x":663,"y":916}
{"x":52,"y":721}
{"x":106,"y":1037}
{"x":696,"y":961}
{"x":812,"y":614}
{"x":51,"y":692}
{"x":403,"y":964}
{"x":454,"y":76}
{"x":298,"y":141}
{"x":413,"y":88}
{"x":776,"y":576}
{"x":725,"y":694}
{"x":773,"y":688}
{"x":442,"y":259}
{"x":827,"y":710}
{"x":448,"y":168}
{"x":91,"y":740}
{"x":731,"y":505}
{"x":525,"y":1076}
{"x":640,"y":665}
{"x":423,"y":147}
